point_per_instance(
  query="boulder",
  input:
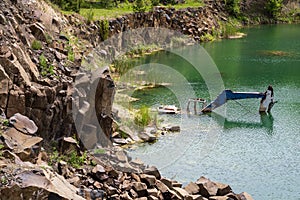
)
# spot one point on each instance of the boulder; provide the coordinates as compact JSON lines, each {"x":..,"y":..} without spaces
{"x":161,"y":186}
{"x":176,"y":184}
{"x":181,"y":192}
{"x":152,"y":198}
{"x":147,"y":137}
{"x":150,"y":180}
{"x":194,"y":197}
{"x":192,"y":188}
{"x":167,"y":182}
{"x":19,"y":142}
{"x":140,"y":188}
{"x":125,"y":196}
{"x":99,"y":173}
{"x":46,"y":184}
{"x":153,"y":171}
{"x":37,"y":31}
{"x":223,"y":189}
{"x":207,"y":187}
{"x":133,"y":193}
{"x":245,"y":196}
{"x":153,"y":192}
{"x":23,"y":124}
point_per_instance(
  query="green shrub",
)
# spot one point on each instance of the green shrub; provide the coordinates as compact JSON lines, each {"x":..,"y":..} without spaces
{"x":36,"y":45}
{"x":76,"y":161}
{"x":90,"y":15}
{"x":71,"y":55}
{"x":45,"y":68}
{"x":273,"y":7}
{"x":54,"y":157}
{"x":228,"y":30}
{"x":207,"y":37}
{"x":5,"y":122}
{"x":140,"y":5}
{"x":68,"y":5}
{"x":43,"y":61}
{"x":104,"y":29}
{"x":233,"y":7}
{"x":155,"y":2}
{"x":142,"y":117}
{"x":48,"y":38}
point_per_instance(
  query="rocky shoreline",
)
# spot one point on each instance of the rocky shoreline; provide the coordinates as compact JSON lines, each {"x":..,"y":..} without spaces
{"x":26,"y":174}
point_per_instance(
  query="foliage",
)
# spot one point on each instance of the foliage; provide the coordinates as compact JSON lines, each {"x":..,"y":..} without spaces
{"x":54,"y":157}
{"x":99,"y":151}
{"x":233,"y":7}
{"x":36,"y":45}
{"x":273,"y":7}
{"x":76,"y":161}
{"x":90,"y":15}
{"x":69,"y":5}
{"x":3,"y":180}
{"x":228,"y":29}
{"x":104,"y":29}
{"x":142,"y":117}
{"x":155,"y":2}
{"x":72,"y":158}
{"x":140,"y":5}
{"x":207,"y":37}
{"x":71,"y":55}
{"x":122,"y":65}
{"x":48,"y":38}
{"x":141,"y":49}
{"x":5,"y":122}
{"x":45,"y":69}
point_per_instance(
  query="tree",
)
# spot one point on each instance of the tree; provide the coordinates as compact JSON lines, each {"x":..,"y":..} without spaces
{"x":139,"y":6}
{"x":233,"y":7}
{"x":273,"y":7}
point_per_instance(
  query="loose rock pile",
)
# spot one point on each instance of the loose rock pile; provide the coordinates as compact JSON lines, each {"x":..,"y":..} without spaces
{"x":25,"y":170}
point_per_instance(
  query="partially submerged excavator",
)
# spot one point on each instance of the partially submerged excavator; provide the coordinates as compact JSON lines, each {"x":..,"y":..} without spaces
{"x":266,"y":103}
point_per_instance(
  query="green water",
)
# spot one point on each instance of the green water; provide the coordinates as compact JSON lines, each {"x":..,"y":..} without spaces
{"x":256,"y":153}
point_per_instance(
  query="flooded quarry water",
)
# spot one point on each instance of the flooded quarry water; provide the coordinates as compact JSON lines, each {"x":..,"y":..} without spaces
{"x":257,"y":153}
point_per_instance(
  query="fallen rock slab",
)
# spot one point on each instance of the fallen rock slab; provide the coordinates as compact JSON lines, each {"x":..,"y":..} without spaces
{"x":23,"y":124}
{"x":43,"y":182}
{"x":18,"y":141}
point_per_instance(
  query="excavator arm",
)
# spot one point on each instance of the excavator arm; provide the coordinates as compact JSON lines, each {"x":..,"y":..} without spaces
{"x":226,"y":95}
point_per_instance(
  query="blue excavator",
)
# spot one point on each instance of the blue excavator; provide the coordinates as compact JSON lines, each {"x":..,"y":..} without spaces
{"x":266,"y":103}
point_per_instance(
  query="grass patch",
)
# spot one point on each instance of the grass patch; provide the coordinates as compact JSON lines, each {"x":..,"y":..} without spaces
{"x":126,"y":8}
{"x":72,"y":158}
{"x":142,"y":117}
{"x":189,"y":3}
{"x":36,"y":45}
{"x":76,"y":161}
{"x":99,"y":151}
{"x":45,"y":68}
{"x":104,"y":13}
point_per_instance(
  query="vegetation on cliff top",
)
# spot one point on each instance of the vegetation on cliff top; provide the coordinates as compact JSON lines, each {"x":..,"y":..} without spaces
{"x":115,"y":8}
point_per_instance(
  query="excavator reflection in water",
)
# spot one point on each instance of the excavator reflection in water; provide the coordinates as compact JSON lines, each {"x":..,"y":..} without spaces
{"x":266,"y":121}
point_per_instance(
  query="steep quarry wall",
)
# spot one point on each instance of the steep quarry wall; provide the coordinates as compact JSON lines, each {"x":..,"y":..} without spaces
{"x":40,"y":89}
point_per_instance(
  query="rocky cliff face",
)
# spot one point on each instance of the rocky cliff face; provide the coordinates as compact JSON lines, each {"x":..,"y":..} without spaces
{"x":195,"y":22}
{"x":39,"y":61}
